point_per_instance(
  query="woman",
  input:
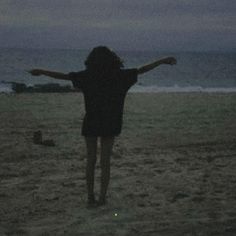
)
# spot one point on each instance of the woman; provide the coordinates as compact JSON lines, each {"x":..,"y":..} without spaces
{"x":104,"y":85}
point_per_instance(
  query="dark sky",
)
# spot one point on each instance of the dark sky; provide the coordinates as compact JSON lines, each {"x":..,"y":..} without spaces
{"x":119,"y":24}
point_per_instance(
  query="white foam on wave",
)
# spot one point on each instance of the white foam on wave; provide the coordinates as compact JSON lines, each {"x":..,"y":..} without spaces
{"x":5,"y":88}
{"x":177,"y":89}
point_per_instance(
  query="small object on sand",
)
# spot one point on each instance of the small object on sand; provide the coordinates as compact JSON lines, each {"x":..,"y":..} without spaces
{"x":37,"y":138}
{"x":48,"y":142}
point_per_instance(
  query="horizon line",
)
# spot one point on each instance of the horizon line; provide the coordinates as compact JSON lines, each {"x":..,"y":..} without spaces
{"x":122,"y":50}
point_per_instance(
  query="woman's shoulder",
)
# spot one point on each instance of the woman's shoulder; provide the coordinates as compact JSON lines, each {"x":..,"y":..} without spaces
{"x":128,"y":71}
{"x":78,"y":74}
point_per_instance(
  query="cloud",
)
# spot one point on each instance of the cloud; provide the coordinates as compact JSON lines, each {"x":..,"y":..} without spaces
{"x":66,"y":21}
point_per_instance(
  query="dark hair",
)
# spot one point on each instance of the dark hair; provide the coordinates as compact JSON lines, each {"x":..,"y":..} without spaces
{"x":103,"y":58}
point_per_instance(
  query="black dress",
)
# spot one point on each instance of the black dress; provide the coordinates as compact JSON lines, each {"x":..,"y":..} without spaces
{"x":104,"y":96}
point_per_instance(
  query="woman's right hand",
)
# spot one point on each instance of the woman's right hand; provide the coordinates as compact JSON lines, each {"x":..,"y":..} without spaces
{"x":36,"y":72}
{"x":169,"y":60}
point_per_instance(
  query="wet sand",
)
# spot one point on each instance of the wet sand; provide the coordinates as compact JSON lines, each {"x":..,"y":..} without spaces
{"x":173,"y":168}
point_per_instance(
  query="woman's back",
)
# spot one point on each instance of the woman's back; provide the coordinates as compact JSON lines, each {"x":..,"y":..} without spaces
{"x":104,"y":96}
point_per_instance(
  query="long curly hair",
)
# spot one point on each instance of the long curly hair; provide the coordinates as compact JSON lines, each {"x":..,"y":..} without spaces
{"x":102,"y":58}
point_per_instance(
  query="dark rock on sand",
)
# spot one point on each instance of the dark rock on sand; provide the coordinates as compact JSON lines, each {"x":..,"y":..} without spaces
{"x":37,"y":137}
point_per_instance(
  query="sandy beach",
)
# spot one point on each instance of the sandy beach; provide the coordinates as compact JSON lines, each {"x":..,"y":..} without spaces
{"x":173,"y":170}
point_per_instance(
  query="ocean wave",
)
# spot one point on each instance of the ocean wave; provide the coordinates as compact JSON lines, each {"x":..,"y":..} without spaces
{"x":5,"y":88}
{"x":177,"y":89}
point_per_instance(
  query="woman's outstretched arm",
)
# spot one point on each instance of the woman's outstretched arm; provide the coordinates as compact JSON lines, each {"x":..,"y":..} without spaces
{"x":151,"y":66}
{"x":53,"y":74}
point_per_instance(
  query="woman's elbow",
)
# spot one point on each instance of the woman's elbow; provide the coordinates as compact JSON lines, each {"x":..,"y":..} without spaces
{"x":141,"y":70}
{"x":66,"y":77}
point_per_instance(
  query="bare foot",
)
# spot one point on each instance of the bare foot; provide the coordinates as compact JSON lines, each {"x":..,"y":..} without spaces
{"x":92,"y":202}
{"x":102,"y":201}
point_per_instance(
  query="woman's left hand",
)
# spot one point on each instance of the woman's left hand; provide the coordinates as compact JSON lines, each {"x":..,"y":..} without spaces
{"x":36,"y":72}
{"x":169,"y":60}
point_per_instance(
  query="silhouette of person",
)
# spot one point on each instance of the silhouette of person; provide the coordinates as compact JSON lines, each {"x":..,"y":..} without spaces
{"x":104,"y":84}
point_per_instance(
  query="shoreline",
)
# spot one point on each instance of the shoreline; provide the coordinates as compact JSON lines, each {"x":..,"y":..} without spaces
{"x":130,"y":92}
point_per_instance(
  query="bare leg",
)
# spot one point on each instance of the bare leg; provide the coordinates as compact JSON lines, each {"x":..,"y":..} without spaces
{"x":106,"y":150}
{"x":91,"y":143}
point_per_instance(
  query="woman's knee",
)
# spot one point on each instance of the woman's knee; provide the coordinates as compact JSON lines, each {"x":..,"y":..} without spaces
{"x":91,"y":143}
{"x":91,"y":161}
{"x":106,"y":146}
{"x":105,"y":162}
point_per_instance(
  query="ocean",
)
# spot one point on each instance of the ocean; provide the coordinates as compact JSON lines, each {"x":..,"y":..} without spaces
{"x":194,"y":72}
